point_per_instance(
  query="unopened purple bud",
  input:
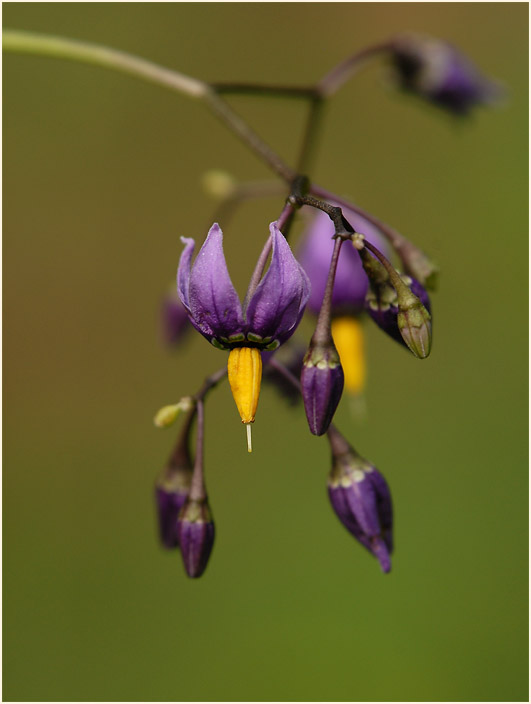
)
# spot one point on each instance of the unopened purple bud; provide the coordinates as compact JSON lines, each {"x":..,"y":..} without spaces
{"x":438,"y":72}
{"x":322,"y":382}
{"x":196,"y":536}
{"x":171,"y":491}
{"x":361,"y":500}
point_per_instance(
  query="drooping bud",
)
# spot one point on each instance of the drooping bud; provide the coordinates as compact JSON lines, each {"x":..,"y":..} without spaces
{"x":398,"y":304}
{"x":382,"y":305}
{"x":173,"y":486}
{"x":361,"y":499}
{"x":414,"y":323}
{"x":439,"y":73}
{"x":245,"y":375}
{"x":322,"y":383}
{"x":219,"y":184}
{"x":171,"y":492}
{"x":196,"y":535}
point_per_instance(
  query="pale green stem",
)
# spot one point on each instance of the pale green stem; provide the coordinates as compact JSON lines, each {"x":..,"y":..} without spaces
{"x":31,"y":43}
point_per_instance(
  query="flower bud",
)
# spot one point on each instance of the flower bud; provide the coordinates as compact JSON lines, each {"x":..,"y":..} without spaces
{"x":414,"y":323}
{"x":167,"y":415}
{"x":382,"y":305}
{"x":171,"y":492}
{"x":322,"y":382}
{"x":436,"y":71}
{"x":219,"y":184}
{"x":196,"y":532}
{"x":361,"y":499}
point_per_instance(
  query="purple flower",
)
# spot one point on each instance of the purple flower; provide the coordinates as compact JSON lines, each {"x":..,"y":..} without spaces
{"x":315,"y":252}
{"x":196,"y":536}
{"x":361,"y":500}
{"x":273,"y":312}
{"x":438,"y":72}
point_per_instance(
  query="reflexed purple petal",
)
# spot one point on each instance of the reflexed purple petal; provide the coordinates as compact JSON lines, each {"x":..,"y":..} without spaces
{"x":321,"y":393}
{"x":276,"y":306}
{"x":315,"y":254}
{"x":183,"y":272}
{"x":213,"y":301}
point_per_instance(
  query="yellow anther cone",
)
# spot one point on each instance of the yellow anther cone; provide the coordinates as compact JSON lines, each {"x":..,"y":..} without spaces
{"x":348,"y":339}
{"x":245,"y":374}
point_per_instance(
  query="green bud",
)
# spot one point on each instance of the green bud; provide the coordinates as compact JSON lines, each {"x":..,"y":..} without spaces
{"x":167,"y":415}
{"x":414,"y":323}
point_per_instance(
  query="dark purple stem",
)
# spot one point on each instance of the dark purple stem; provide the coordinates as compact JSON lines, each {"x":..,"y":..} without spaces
{"x":334,"y":79}
{"x":401,"y":289}
{"x":395,"y":238}
{"x":322,"y":332}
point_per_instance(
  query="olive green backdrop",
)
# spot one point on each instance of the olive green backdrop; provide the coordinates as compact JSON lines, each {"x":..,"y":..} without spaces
{"x":102,"y":175}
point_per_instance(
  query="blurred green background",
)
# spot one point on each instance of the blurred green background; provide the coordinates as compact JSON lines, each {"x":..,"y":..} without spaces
{"x":102,"y":175}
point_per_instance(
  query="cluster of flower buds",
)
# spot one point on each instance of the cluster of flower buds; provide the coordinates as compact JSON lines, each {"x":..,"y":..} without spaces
{"x":185,"y":519}
{"x":342,"y":274}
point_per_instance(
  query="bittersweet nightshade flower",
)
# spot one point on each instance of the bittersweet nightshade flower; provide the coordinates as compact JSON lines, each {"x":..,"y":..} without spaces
{"x":361,"y":499}
{"x":196,"y":533}
{"x":271,"y":316}
{"x":438,"y":72}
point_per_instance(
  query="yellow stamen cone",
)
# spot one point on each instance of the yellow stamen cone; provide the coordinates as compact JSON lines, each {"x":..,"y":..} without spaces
{"x":348,"y":338}
{"x":245,"y":374}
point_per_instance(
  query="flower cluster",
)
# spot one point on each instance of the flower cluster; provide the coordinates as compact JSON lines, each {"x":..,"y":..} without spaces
{"x":342,"y":277}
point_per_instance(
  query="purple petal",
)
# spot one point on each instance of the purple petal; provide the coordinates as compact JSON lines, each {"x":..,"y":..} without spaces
{"x":277,"y":305}
{"x":183,"y":272}
{"x":213,"y":301}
